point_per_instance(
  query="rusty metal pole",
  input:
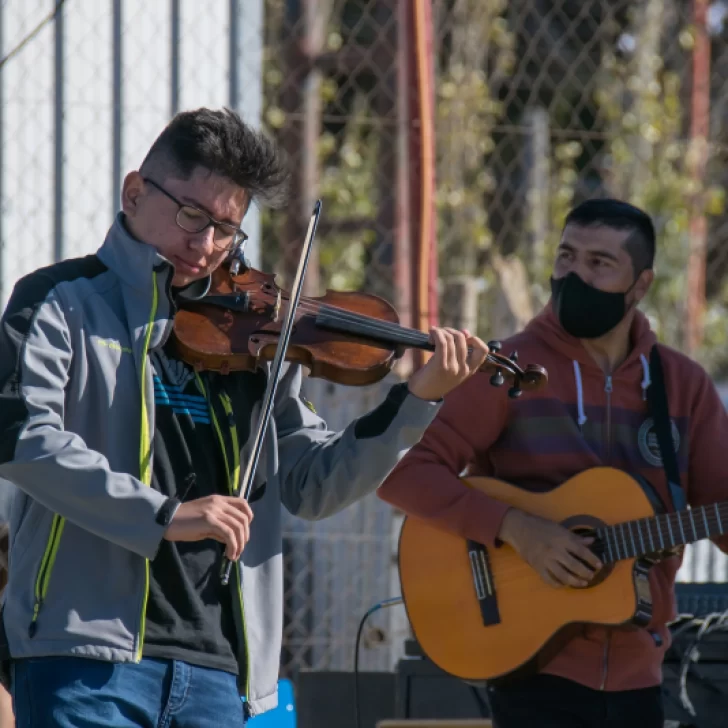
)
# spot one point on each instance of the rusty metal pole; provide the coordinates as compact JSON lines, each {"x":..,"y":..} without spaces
{"x":306,"y":25}
{"x":697,"y":159}
{"x":380,"y":272}
{"x":403,"y":256}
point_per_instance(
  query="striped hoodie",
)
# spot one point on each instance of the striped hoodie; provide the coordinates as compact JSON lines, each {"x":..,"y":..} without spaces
{"x":580,"y":420}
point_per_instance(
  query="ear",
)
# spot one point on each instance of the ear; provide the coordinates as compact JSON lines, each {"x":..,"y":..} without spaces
{"x":132,"y":191}
{"x":643,"y":283}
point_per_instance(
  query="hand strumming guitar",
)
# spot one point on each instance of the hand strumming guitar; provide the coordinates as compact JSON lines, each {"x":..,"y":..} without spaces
{"x":552,"y":550}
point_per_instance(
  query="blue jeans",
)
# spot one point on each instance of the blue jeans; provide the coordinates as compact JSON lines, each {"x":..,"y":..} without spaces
{"x":74,"y":692}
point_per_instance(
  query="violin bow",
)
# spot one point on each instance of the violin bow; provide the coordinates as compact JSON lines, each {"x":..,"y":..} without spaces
{"x":274,"y":378}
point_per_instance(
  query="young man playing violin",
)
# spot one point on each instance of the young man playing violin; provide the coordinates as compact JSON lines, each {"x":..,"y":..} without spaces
{"x":596,"y":346}
{"x":127,"y":461}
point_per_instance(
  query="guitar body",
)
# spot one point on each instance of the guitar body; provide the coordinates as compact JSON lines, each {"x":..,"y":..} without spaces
{"x":527,"y":620}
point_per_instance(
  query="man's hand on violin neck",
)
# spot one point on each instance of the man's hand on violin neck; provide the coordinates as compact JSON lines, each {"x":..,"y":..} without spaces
{"x":458,"y":355}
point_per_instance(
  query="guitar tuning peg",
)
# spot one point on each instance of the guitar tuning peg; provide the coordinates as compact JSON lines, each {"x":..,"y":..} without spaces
{"x":515,"y":392}
{"x":514,"y":357}
{"x":497,"y":379}
{"x":494,"y":346}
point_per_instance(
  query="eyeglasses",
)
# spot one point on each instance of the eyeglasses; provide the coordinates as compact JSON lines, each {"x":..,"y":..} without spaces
{"x":193,"y":220}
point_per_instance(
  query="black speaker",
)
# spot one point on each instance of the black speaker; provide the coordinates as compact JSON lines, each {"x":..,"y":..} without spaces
{"x":424,"y":691}
{"x":326,"y":699}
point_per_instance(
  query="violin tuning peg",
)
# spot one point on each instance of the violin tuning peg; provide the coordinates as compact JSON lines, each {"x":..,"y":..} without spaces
{"x":497,"y":379}
{"x":514,"y":357}
{"x":494,"y":346}
{"x":515,"y":392}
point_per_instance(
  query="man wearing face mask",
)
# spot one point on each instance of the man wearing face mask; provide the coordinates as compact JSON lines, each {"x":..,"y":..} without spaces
{"x":596,"y":346}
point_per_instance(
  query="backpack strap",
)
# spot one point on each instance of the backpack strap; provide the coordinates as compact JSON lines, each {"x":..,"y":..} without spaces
{"x":657,"y":400}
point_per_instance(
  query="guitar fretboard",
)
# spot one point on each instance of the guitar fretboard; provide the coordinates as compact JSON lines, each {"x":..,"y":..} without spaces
{"x":649,"y":535}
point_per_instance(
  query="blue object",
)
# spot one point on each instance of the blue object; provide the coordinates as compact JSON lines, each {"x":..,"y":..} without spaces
{"x":284,"y":716}
{"x":106,"y":689}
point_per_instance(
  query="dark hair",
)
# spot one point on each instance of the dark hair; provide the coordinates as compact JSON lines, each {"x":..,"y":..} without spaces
{"x":223,"y":143}
{"x":620,"y":215}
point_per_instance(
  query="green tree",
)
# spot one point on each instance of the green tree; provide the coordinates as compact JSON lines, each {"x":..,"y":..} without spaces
{"x":648,"y":163}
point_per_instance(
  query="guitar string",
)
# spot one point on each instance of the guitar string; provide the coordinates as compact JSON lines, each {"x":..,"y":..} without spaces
{"x":524,"y":567}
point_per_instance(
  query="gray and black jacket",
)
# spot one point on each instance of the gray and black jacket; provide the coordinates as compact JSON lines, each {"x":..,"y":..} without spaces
{"x":76,"y":424}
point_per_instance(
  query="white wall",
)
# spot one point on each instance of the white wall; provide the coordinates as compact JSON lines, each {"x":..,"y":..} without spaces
{"x":29,"y":91}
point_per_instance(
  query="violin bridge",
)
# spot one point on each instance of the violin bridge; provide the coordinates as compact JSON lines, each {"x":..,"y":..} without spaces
{"x":277,"y":308}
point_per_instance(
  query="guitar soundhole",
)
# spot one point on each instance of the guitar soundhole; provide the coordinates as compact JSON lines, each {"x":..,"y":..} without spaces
{"x":597,"y":548}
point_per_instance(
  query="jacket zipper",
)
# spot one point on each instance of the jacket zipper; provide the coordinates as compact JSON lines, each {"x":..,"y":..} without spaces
{"x":608,"y":389}
{"x":44,"y":571}
{"x":145,"y":455}
{"x":233,"y":481}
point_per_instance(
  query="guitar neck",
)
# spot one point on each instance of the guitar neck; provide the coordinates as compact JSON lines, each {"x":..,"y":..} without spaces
{"x":650,"y":535}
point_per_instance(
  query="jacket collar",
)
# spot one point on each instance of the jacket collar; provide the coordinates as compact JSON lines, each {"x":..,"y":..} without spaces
{"x":131,"y":259}
{"x":134,"y":261}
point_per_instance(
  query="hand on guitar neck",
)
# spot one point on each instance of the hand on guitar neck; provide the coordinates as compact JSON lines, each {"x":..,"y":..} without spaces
{"x":557,"y":554}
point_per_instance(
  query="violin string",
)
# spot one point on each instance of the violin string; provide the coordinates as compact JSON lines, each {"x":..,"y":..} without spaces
{"x":372,"y":325}
{"x":373,"y":329}
{"x":341,"y":314}
{"x":364,"y":328}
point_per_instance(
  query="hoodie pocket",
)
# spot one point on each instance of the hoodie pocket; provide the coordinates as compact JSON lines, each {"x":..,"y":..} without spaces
{"x":24,"y":532}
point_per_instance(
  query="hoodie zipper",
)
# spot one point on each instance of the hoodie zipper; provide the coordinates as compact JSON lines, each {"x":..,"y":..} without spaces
{"x":608,"y":390}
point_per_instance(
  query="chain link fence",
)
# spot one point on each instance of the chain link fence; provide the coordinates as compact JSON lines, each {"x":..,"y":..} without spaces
{"x":538,"y":105}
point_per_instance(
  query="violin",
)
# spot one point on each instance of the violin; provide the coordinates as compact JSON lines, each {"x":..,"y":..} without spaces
{"x":349,"y":338}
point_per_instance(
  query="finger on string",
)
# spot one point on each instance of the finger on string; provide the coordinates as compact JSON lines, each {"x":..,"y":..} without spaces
{"x":452,"y":354}
{"x":478,"y":352}
{"x":460,"y":348}
{"x":438,"y":338}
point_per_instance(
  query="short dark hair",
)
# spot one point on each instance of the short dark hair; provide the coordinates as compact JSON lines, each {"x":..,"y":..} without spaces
{"x":220,"y":141}
{"x":620,"y":215}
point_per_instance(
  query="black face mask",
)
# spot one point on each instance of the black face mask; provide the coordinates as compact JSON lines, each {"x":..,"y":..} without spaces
{"x":583,"y":311}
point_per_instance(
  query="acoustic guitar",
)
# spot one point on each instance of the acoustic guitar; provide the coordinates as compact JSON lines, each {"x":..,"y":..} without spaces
{"x":485,"y":614}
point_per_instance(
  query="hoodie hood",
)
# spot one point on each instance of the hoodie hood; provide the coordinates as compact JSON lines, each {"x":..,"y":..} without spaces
{"x":546,"y":327}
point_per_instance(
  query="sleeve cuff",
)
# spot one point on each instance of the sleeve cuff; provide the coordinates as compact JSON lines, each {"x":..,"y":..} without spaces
{"x":490,"y":516}
{"x":400,"y":402}
{"x":167,"y":511}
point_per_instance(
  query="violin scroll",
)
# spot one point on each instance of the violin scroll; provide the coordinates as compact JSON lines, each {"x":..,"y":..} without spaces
{"x":532,"y":378}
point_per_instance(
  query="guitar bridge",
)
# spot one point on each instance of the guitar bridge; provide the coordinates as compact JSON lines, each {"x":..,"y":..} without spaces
{"x":483,"y":583}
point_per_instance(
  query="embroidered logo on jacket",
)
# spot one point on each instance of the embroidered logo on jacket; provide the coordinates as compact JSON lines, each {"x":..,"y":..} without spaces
{"x":113,"y":345}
